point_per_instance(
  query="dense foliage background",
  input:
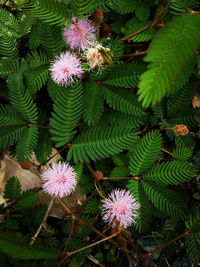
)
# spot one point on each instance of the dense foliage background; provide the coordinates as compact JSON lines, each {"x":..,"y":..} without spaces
{"x":132,"y":123}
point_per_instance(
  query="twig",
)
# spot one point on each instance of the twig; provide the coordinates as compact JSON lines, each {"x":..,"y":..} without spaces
{"x":139,"y":53}
{"x":42,"y":222}
{"x":68,"y":254}
{"x":136,"y":178}
{"x":90,"y":257}
{"x":150,"y":25}
{"x":144,"y":256}
{"x":91,"y":226}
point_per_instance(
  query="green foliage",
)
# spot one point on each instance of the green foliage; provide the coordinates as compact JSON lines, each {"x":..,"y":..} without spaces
{"x":66,"y":115}
{"x":20,"y":251}
{"x":44,"y":146}
{"x":49,"y":11}
{"x":9,"y":135}
{"x":193,"y":248}
{"x":12,"y":189}
{"x":92,"y":103}
{"x":27,"y":199}
{"x":165,"y":199}
{"x":182,"y":153}
{"x":125,"y":75}
{"x":27,"y":143}
{"x":123,"y":100}
{"x":143,"y":220}
{"x":21,"y":99}
{"x":8,"y":66}
{"x":9,"y":116}
{"x":171,"y":172}
{"x":145,"y":153}
{"x":92,"y":207}
{"x":82,"y":8}
{"x":167,"y":57}
{"x":101,"y":142}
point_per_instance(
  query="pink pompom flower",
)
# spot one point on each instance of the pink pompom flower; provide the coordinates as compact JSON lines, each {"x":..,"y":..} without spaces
{"x":66,"y":69}
{"x":59,"y":179}
{"x":80,"y":34}
{"x":120,"y":207}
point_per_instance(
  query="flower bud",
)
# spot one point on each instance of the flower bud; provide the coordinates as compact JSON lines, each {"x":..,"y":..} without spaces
{"x":181,"y":129}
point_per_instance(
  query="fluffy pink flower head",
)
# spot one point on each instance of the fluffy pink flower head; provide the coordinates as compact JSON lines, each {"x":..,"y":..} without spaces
{"x":66,"y":69}
{"x":59,"y":179}
{"x":80,"y":34}
{"x":120,"y":207}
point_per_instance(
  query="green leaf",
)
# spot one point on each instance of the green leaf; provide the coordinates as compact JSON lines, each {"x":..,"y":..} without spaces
{"x":12,"y":189}
{"x":8,"y":66}
{"x":168,"y":201}
{"x":92,"y":103}
{"x":171,"y":172}
{"x":21,"y":98}
{"x":125,"y":75}
{"x":27,"y":143}
{"x":101,"y":142}
{"x":144,"y":217}
{"x":27,"y":199}
{"x":145,"y":153}
{"x":9,"y":117}
{"x":26,"y":252}
{"x":170,"y":52}
{"x":44,"y":146}
{"x":9,"y":135}
{"x":67,"y":113}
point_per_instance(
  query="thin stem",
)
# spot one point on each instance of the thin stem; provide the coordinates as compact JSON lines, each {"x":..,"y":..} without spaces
{"x":58,"y":152}
{"x":187,"y":232}
{"x":150,"y":25}
{"x":136,"y":178}
{"x":90,"y":226}
{"x":42,"y":222}
{"x":139,"y":53}
{"x":93,"y":244}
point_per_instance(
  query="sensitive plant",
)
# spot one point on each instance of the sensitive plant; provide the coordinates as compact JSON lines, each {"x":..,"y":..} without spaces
{"x":120,"y":110}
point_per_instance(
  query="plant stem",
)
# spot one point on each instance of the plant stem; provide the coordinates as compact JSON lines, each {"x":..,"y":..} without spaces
{"x":139,"y":53}
{"x":68,"y":254}
{"x":42,"y":222}
{"x":91,"y":226}
{"x":187,"y":232}
{"x":150,"y":25}
{"x":136,"y":178}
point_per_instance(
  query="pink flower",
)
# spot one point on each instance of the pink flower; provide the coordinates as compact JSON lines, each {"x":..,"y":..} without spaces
{"x":59,"y":179}
{"x":120,"y":206}
{"x":66,"y":69}
{"x":80,"y":34}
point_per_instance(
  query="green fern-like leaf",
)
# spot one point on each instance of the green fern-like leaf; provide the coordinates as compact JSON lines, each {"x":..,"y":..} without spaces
{"x":145,"y":153}
{"x":44,"y":146}
{"x":125,"y":75}
{"x":8,"y":45}
{"x":27,"y":143}
{"x":193,"y":248}
{"x":51,"y":38}
{"x":9,"y":117}
{"x":12,"y":189}
{"x":101,"y":142}
{"x":123,"y":101}
{"x":171,"y":50}
{"x":120,"y":119}
{"x":180,"y":101}
{"x":11,"y":224}
{"x":67,"y":113}
{"x":92,"y":207}
{"x":92,"y":103}
{"x":21,"y":98}
{"x":27,"y":199}
{"x":49,"y":11}
{"x":36,"y":79}
{"x":82,"y":8}
{"x":9,"y":22}
{"x":188,"y":117}
{"x":26,"y":252}
{"x":182,"y":153}
{"x":143,"y":220}
{"x":172,"y":172}
{"x":9,"y":135}
{"x":168,"y":201}
{"x":126,"y":7}
{"x":8,"y":66}
{"x":119,"y":171}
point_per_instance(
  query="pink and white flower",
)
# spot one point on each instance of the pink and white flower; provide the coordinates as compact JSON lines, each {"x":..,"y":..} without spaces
{"x":66,"y":69}
{"x":120,"y":207}
{"x":59,"y":179}
{"x":80,"y":34}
